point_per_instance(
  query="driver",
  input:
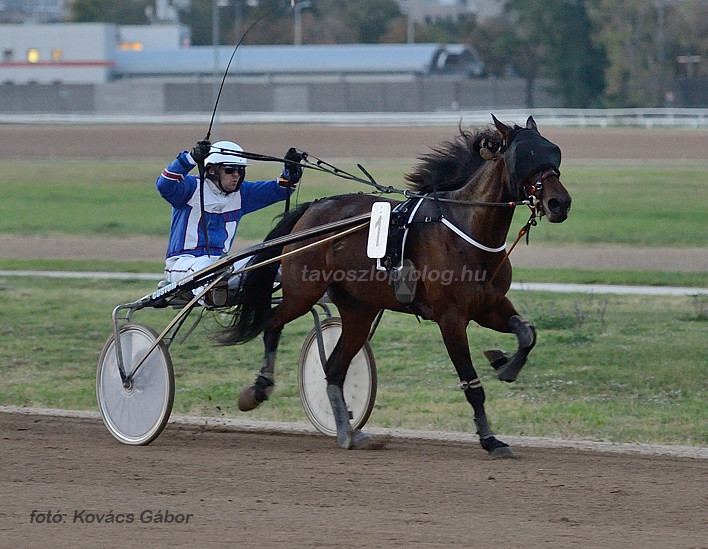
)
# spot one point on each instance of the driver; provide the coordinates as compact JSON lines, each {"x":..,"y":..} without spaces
{"x":227,"y":197}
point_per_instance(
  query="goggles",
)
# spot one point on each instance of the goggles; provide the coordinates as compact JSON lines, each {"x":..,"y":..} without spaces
{"x":241,"y":170}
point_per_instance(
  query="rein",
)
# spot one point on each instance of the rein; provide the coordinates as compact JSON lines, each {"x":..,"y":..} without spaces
{"x":534,"y":192}
{"x":525,"y":231}
{"x":323,"y":166}
{"x":533,"y":198}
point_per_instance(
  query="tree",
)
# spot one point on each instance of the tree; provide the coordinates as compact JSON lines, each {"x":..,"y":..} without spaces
{"x":628,"y":32}
{"x":573,"y":62}
{"x":690,"y":26}
{"x":527,"y":42}
{"x":370,"y":18}
{"x":642,"y":40}
{"x":553,"y":38}
{"x":441,"y":32}
{"x":198,"y":18}
{"x":490,"y":40}
{"x":274,"y":23}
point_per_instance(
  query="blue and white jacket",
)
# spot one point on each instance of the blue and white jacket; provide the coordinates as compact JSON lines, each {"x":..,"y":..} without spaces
{"x":223,"y":211}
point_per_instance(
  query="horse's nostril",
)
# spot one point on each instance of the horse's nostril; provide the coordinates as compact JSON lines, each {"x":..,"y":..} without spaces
{"x":554,"y":205}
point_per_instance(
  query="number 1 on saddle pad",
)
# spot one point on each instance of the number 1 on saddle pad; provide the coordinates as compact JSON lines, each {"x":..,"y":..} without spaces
{"x":378,"y":230}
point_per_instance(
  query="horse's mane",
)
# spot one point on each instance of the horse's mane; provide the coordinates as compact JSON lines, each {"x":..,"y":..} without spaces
{"x":450,"y":165}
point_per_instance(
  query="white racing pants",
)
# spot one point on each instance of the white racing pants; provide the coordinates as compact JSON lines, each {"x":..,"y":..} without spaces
{"x":181,"y":266}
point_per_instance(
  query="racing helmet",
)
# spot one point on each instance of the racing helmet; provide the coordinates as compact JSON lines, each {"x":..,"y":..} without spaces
{"x":222,"y":152}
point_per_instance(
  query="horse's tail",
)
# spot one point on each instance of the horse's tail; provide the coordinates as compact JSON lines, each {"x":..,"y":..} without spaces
{"x":257,"y":286}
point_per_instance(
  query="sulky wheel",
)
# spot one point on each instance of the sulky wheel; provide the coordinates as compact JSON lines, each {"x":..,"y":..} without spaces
{"x":135,"y":414}
{"x":359,"y":385}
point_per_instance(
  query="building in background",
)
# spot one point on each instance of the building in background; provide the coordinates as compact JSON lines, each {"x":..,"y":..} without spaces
{"x":70,"y":53}
{"x":46,"y":66}
{"x":113,"y":69}
{"x":34,"y":11}
{"x":94,"y":53}
{"x":79,"y":53}
{"x":106,"y":68}
{"x":309,"y":62}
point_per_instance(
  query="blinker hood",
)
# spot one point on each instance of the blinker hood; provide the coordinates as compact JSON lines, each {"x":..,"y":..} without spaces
{"x":527,"y":154}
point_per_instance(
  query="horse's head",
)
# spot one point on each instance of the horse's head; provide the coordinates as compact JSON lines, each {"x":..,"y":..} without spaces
{"x":532,"y":165}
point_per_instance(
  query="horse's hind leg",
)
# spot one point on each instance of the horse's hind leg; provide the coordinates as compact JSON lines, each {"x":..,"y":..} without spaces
{"x":251,"y":396}
{"x":292,"y":306}
{"x":506,"y":319}
{"x":355,"y":330}
{"x":347,"y":437}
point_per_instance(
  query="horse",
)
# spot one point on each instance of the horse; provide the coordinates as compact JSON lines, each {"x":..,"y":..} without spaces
{"x":460,"y":224}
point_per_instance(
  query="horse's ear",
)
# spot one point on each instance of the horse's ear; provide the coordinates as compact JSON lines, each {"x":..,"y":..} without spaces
{"x":531,"y":124}
{"x":503,"y":128}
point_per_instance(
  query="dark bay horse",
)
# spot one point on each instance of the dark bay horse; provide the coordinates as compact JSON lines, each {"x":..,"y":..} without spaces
{"x":460,"y":227}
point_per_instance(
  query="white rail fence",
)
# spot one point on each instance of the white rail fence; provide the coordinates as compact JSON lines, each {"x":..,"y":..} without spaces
{"x":603,"y":118}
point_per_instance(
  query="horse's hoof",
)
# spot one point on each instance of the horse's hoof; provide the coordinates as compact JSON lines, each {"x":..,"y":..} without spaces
{"x":496,"y":358}
{"x":507,"y":367}
{"x":509,"y":371}
{"x":362,"y":440}
{"x":505,"y":373}
{"x":344,"y":440}
{"x":357,"y":440}
{"x":502,"y":452}
{"x":496,"y":448}
{"x":525,"y":331}
{"x":250,"y":397}
{"x":247,"y":399}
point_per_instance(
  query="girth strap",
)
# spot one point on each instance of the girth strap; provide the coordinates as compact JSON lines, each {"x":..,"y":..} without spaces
{"x":407,"y":225}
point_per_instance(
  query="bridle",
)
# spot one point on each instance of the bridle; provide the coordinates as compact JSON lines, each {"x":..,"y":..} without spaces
{"x":534,"y":200}
{"x":534,"y":191}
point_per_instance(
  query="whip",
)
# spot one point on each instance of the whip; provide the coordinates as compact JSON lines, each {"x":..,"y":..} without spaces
{"x":200,"y":164}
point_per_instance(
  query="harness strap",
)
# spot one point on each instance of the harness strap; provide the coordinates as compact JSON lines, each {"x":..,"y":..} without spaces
{"x":450,"y":226}
{"x":407,"y":225}
{"x":469,"y":239}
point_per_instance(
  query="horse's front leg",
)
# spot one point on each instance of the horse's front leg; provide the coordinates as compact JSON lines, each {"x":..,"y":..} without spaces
{"x":454,"y":335}
{"x":504,"y":318}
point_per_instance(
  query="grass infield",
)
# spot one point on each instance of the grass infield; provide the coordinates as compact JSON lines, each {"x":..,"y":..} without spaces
{"x":649,"y":206}
{"x":611,"y":368}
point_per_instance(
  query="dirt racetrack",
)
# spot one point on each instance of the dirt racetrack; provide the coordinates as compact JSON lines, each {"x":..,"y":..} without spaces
{"x":241,"y":489}
{"x":230,"y":488}
{"x":332,"y":142}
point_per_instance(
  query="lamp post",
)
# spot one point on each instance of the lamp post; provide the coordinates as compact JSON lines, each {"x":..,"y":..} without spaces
{"x":661,"y":7}
{"x":408,"y":10}
{"x":297,"y":8}
{"x":215,"y":5}
{"x":661,"y":45}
